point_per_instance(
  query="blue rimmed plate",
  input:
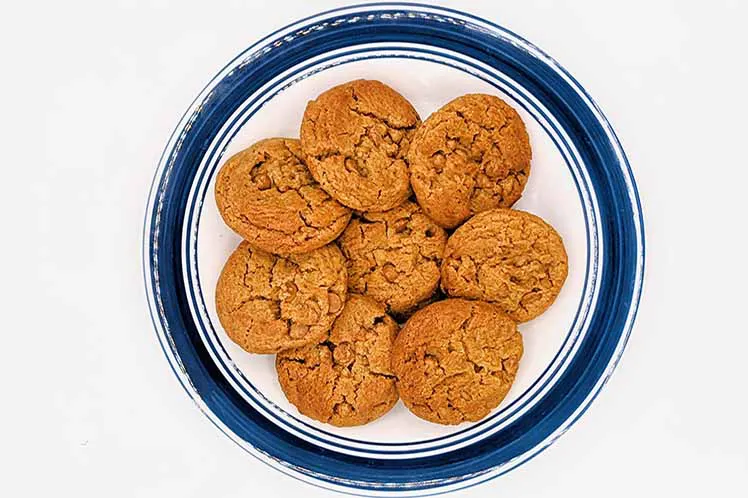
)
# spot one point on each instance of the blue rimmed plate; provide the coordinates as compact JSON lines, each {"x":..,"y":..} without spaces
{"x":580,"y":182}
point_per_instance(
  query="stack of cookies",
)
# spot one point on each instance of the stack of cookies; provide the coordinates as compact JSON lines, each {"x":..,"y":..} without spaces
{"x":373,"y":220}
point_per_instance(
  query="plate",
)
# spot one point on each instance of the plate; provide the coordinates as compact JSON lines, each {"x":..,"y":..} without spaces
{"x":580,"y":182}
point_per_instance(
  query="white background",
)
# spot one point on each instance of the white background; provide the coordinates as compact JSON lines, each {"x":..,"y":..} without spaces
{"x":90,"y":94}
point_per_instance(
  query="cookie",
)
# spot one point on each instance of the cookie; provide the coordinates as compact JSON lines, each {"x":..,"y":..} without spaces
{"x":394,"y":256}
{"x":509,"y":257}
{"x":266,"y":194}
{"x":471,"y":155}
{"x":355,"y":137}
{"x":346,"y":380}
{"x":268,"y":303}
{"x":455,"y":360}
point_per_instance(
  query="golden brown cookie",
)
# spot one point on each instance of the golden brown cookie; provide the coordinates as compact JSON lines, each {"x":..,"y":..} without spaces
{"x":269,"y":303}
{"x":509,"y":257}
{"x":471,"y":155}
{"x":355,"y":137}
{"x":394,"y":256}
{"x":266,"y":194}
{"x":346,"y":380}
{"x":455,"y":360}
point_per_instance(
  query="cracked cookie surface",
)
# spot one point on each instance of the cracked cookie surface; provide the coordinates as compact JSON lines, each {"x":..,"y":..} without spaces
{"x":268,"y":303}
{"x":267,"y":195}
{"x":355,"y":138}
{"x":471,"y":155}
{"x":455,"y":360}
{"x":509,"y":257}
{"x":346,"y":380}
{"x":394,"y":256}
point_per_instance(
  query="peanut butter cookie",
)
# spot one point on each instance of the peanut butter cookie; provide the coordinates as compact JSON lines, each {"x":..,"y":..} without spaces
{"x":509,"y":257}
{"x":394,"y":256}
{"x":269,"y":303}
{"x":355,"y":137}
{"x":266,"y":194}
{"x":346,"y":380}
{"x":455,"y":360}
{"x":471,"y":155}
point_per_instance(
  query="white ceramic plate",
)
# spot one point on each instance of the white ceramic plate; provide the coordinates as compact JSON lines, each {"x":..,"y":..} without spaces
{"x":580,"y":182}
